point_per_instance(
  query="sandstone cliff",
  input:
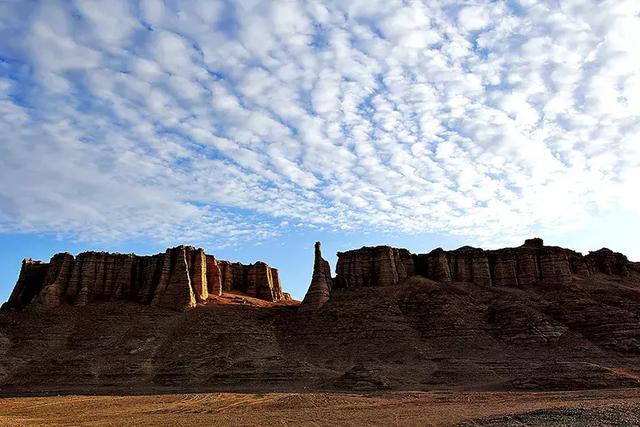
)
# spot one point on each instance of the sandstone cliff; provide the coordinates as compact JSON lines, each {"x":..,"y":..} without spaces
{"x":373,"y":266}
{"x":533,"y":262}
{"x":178,"y":279}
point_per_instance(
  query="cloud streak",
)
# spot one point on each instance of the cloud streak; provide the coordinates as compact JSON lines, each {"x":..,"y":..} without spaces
{"x":225,"y":120}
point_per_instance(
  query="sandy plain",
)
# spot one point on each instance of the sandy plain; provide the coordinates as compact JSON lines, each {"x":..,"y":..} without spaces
{"x":603,"y":407}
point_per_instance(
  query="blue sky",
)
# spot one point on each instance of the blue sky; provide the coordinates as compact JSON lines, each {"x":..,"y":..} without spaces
{"x":254,"y":128}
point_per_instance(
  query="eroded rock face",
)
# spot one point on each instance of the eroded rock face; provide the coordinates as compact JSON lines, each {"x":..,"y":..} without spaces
{"x":214,"y":276}
{"x":434,"y":265}
{"x":373,"y":266}
{"x":608,"y":262}
{"x":263,"y":282}
{"x":199,"y":275}
{"x":30,"y":282}
{"x":58,"y":275}
{"x":178,"y":279}
{"x":321,"y":283}
{"x":174,"y":290}
{"x":531,"y":263}
{"x":470,"y":264}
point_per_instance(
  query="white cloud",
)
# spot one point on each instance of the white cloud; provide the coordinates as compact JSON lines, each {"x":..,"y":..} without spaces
{"x":232,"y":120}
{"x":473,"y":18}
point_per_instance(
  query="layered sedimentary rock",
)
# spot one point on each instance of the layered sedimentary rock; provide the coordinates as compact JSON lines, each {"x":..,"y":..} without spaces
{"x":470,"y":264}
{"x":29,"y":282}
{"x":174,"y":289}
{"x":178,"y":279}
{"x":261,"y":282}
{"x":608,"y":262}
{"x":434,"y":265}
{"x":373,"y":266}
{"x":321,"y":283}
{"x":214,"y":276}
{"x":531,"y":263}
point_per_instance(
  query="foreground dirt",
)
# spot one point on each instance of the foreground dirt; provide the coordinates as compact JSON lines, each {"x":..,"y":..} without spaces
{"x":603,"y":407}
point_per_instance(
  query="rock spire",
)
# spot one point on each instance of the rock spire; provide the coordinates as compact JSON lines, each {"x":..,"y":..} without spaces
{"x":321,"y":283}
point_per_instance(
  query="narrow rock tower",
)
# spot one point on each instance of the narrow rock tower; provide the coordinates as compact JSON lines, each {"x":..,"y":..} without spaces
{"x":320,"y":289}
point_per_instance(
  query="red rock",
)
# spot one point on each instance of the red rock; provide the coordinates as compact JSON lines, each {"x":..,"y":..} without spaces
{"x":277,"y":285}
{"x":214,"y":276}
{"x":198,"y":271}
{"x":526,"y":265}
{"x":177,"y":279}
{"x":174,"y":290}
{"x":226,"y":275}
{"x":261,"y":283}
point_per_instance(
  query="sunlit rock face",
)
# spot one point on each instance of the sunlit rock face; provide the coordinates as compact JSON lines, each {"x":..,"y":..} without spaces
{"x":179,"y":279}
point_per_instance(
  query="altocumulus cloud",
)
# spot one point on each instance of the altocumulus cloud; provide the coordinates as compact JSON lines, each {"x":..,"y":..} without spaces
{"x":244,"y":118}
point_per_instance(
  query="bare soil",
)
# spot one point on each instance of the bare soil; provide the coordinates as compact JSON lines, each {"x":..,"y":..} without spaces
{"x":602,"y":407}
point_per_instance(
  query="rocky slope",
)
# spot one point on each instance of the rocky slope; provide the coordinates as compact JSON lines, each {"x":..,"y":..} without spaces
{"x":526,"y":318}
{"x":178,"y":279}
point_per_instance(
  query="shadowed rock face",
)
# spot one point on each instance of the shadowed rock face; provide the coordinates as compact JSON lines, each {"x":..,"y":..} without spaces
{"x":178,"y":279}
{"x":30,"y":281}
{"x":530,"y":263}
{"x":608,"y":262}
{"x":373,"y":266}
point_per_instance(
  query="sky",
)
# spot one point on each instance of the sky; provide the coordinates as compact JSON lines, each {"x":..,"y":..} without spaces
{"x":254,"y":128}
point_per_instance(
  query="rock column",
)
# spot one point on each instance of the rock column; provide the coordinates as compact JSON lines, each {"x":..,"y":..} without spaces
{"x":320,"y":288}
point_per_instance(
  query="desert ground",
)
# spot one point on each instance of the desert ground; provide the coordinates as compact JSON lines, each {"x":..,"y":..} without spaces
{"x":604,"y":407}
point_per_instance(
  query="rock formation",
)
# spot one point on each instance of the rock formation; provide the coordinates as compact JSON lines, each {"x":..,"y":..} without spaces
{"x":531,"y":263}
{"x":373,"y":266}
{"x":178,"y":279}
{"x":29,"y":284}
{"x":506,"y":319}
{"x":608,"y":262}
{"x":321,"y":283}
